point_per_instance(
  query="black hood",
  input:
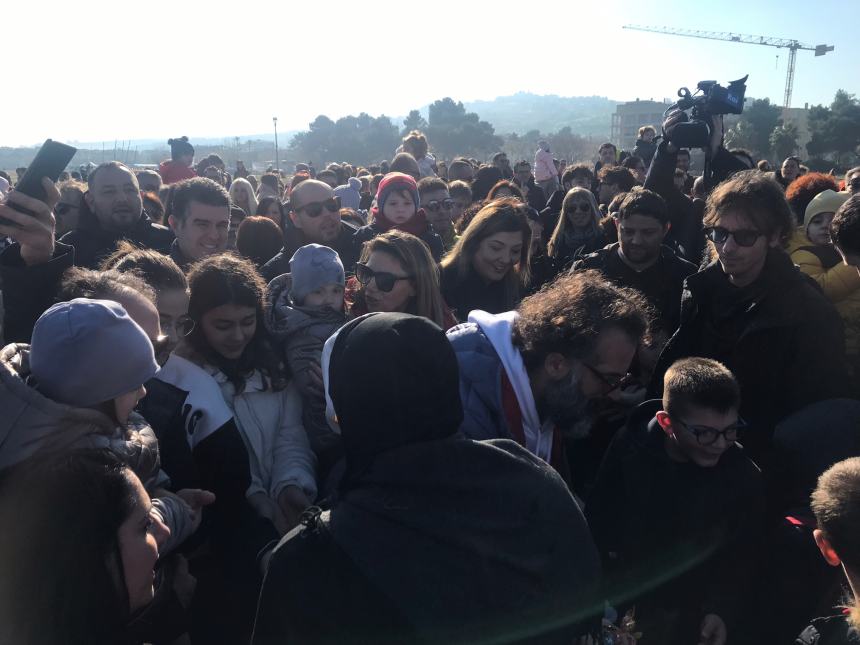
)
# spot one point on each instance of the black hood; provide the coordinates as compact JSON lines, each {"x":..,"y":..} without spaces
{"x":394,"y":382}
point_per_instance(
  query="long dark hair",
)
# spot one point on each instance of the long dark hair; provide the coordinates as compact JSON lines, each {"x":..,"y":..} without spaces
{"x":63,"y":579}
{"x":227,"y":279}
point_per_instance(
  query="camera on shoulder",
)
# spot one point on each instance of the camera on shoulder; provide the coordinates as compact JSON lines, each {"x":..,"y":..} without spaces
{"x":688,"y":122}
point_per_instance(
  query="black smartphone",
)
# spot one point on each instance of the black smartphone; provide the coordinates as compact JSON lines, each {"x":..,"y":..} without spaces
{"x":50,"y":161}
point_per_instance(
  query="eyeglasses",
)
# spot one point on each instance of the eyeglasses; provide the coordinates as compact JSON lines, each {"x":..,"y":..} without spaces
{"x":435,"y":206}
{"x":315,"y":209}
{"x":62,"y":208}
{"x":610,"y":385}
{"x":707,"y":436}
{"x":183,"y":326}
{"x":384,"y":281}
{"x":745,"y":237}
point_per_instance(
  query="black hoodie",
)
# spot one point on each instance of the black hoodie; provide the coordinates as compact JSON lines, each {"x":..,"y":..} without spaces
{"x":434,"y":537}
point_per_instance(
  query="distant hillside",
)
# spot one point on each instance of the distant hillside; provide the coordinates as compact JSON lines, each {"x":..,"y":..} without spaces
{"x":522,"y":112}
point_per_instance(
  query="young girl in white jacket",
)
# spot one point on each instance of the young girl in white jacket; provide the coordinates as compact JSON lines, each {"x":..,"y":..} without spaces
{"x":230,"y":342}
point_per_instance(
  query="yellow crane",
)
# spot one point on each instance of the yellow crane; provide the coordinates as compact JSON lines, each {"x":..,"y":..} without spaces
{"x":786,"y":43}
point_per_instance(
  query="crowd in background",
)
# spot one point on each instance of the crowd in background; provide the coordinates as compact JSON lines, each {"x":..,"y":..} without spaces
{"x":433,"y":401}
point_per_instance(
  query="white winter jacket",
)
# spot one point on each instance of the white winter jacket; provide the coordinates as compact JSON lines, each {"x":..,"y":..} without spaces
{"x":271,"y":425}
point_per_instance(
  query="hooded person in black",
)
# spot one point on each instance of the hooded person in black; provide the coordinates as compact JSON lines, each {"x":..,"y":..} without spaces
{"x":433,"y":537}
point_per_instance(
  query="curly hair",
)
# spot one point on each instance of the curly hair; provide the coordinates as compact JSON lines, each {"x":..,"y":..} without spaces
{"x":568,"y":315}
{"x":227,"y":279}
{"x":803,"y":189}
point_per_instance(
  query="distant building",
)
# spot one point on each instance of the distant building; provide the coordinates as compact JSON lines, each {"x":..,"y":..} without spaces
{"x":629,"y":117}
{"x":800,"y":118}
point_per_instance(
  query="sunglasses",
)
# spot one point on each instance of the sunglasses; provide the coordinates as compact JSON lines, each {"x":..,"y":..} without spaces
{"x":62,"y":209}
{"x":719,"y":235}
{"x":435,"y":206}
{"x":384,"y":281}
{"x":315,"y":209}
{"x":610,"y":385}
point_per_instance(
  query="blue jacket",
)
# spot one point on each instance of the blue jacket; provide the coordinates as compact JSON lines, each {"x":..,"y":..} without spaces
{"x":480,"y":383}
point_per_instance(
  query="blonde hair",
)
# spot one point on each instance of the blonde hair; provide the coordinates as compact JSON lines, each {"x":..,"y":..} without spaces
{"x":553,"y":247}
{"x":506,"y":215}
{"x":415,"y":258}
{"x":252,"y":198}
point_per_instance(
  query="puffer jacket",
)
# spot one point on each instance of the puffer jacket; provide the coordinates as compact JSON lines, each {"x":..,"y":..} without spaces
{"x":32,"y":424}
{"x":839,"y":282}
{"x":303,"y":331}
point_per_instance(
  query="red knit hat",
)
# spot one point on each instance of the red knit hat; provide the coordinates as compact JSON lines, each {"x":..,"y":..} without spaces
{"x":396,"y":181}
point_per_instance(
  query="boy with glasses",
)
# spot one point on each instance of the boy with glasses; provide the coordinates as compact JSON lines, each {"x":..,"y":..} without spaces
{"x":676,"y":510}
{"x":754,"y":311}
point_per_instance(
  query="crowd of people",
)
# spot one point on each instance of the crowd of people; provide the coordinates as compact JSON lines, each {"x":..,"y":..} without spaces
{"x":432,"y":401}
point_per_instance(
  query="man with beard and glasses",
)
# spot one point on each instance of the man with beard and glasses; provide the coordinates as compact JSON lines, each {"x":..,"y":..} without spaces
{"x":640,"y":260}
{"x":529,"y":375}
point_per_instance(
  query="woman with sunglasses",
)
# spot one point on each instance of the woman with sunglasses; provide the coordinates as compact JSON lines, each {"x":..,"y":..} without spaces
{"x":398,"y":206}
{"x":578,"y":230}
{"x":397,"y":274}
{"x":488,"y":268}
{"x":230,"y":342}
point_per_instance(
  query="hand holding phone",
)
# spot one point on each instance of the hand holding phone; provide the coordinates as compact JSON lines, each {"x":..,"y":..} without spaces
{"x":50,"y":161}
{"x":33,"y":231}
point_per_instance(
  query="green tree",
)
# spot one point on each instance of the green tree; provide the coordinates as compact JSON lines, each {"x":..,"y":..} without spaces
{"x":835,"y":129}
{"x":413,"y":122}
{"x":452,"y":131}
{"x":783,"y":140}
{"x":743,"y":135}
{"x":763,"y":117}
{"x":359,"y":139}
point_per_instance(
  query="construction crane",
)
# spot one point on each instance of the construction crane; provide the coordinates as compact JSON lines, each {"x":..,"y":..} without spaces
{"x":786,"y":43}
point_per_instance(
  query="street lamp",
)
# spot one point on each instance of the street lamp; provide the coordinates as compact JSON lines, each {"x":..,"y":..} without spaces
{"x":277,"y":163}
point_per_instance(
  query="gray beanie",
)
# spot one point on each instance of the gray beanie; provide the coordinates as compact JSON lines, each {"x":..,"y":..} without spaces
{"x":350,"y":193}
{"x":314,"y":266}
{"x":86,"y":352}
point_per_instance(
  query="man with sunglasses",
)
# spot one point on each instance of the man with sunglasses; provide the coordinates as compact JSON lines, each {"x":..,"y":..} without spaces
{"x":314,"y":219}
{"x":531,"y":375}
{"x":755,"y":312}
{"x":676,"y":510}
{"x":439,"y":208}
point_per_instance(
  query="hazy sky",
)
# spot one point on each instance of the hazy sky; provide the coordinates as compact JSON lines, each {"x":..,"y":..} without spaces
{"x":105,"y":70}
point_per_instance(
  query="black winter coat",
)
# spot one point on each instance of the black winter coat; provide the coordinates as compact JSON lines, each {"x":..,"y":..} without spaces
{"x":661,"y":284}
{"x":93,"y":243}
{"x":675,"y":535}
{"x":782,"y":339}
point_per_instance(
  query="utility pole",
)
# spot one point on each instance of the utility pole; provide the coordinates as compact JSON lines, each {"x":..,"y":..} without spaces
{"x":277,"y":163}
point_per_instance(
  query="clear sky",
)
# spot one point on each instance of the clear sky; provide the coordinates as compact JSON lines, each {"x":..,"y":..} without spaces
{"x":110,"y":69}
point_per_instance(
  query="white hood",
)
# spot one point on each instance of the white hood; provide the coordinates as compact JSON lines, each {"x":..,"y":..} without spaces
{"x":498,"y":329}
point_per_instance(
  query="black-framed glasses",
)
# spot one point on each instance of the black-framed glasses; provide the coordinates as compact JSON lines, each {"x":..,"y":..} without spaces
{"x":183,"y":326}
{"x":610,"y":385}
{"x":63,"y":208}
{"x":707,"y":436}
{"x":384,"y":281}
{"x":435,"y":205}
{"x":315,"y":209}
{"x":743,"y":237}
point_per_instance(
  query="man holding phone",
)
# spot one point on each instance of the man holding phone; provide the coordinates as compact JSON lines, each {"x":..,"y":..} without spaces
{"x":30,"y":269}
